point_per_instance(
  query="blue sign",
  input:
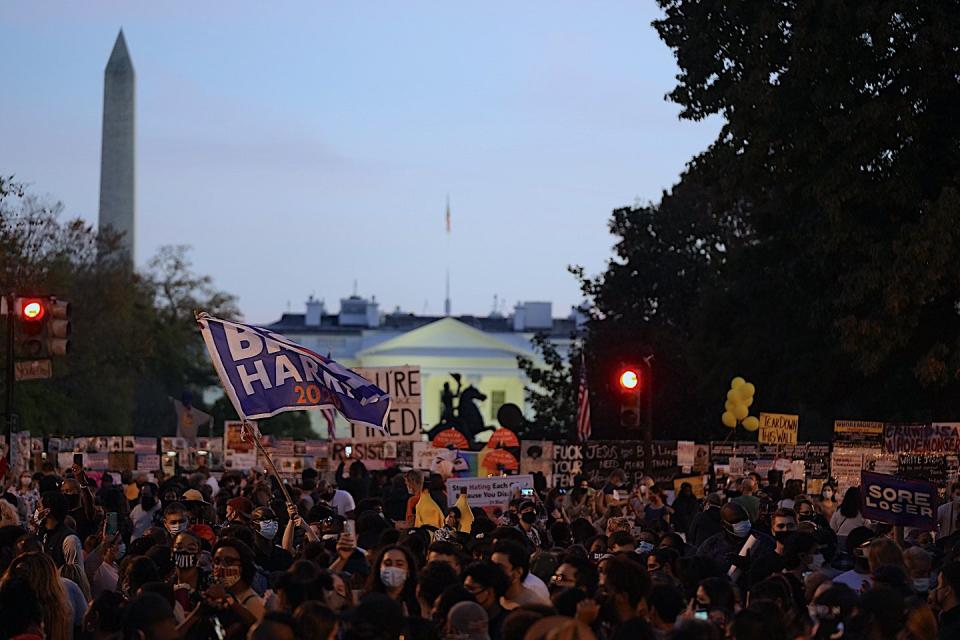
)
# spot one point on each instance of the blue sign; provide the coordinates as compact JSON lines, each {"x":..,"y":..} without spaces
{"x":907,"y":503}
{"x":264,"y":373}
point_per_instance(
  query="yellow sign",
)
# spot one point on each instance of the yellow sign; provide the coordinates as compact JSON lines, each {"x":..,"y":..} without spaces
{"x":858,"y":427}
{"x":778,"y":428}
{"x":696,"y":483}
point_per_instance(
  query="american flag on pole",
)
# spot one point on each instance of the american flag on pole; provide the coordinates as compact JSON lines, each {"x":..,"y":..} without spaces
{"x":583,"y":403}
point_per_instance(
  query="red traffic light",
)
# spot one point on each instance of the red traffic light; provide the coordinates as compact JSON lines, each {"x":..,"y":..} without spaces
{"x":32,"y":309}
{"x":629,"y":379}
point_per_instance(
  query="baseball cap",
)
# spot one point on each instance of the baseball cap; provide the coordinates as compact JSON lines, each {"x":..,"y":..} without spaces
{"x":192,"y":495}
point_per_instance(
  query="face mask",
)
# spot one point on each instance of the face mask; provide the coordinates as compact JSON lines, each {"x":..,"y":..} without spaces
{"x":268,"y":529}
{"x":529,"y":517}
{"x":740,"y":529}
{"x":148,"y":502}
{"x":229,"y":576}
{"x":121,"y":551}
{"x":184,"y":559}
{"x":781,"y":536}
{"x":174,"y":529}
{"x":73,"y":501}
{"x":816,"y":562}
{"x":393,"y":577}
{"x":921,"y":585}
{"x":806,"y":517}
{"x":828,"y":494}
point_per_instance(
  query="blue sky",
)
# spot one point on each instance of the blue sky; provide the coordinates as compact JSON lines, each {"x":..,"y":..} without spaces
{"x":299,"y":147}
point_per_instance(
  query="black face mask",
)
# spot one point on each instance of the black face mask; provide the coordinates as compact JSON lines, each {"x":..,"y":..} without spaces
{"x":529,"y":517}
{"x":73,"y":501}
{"x":783,"y":536}
{"x":148,"y":502}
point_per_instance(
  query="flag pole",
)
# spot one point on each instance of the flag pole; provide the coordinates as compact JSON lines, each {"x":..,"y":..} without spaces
{"x":252,"y":430}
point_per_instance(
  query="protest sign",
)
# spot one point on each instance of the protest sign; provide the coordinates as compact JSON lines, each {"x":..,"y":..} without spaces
{"x":567,"y":464}
{"x":696,"y":482}
{"x":144,"y":445}
{"x":130,"y":444}
{"x":907,"y":503}
{"x":858,"y":433}
{"x":778,"y":428}
{"x":940,"y":437}
{"x":403,"y":421}
{"x":537,"y":456}
{"x":148,"y":462}
{"x":487,"y":492}
{"x":846,"y":466}
{"x":374,"y":455}
{"x":264,"y":373}
{"x":686,"y":454}
{"x":920,"y":466}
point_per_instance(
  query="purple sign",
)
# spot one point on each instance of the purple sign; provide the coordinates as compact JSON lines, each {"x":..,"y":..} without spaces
{"x":907,"y":503}
{"x":264,"y":373}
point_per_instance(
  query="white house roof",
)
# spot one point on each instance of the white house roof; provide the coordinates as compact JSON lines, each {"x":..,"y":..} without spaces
{"x":445,"y":337}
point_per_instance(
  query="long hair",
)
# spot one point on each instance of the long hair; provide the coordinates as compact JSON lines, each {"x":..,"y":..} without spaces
{"x":850,"y":507}
{"x":409,"y":594}
{"x":41,"y":574}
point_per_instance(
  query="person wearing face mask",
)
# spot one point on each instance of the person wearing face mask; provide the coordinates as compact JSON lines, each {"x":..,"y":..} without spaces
{"x":394,"y":575}
{"x":59,"y":541}
{"x":268,"y":554}
{"x":80,"y":503}
{"x":144,"y":513}
{"x":828,"y":501}
{"x":176,"y":519}
{"x":945,"y":599}
{"x":707,"y":522}
{"x":27,"y":497}
{"x":724,"y":548}
{"x":189,"y":579}
{"x":527,"y":513}
{"x":919,"y":564}
{"x":229,"y":598}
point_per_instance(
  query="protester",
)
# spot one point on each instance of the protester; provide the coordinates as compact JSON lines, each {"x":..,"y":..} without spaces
{"x":192,"y":559}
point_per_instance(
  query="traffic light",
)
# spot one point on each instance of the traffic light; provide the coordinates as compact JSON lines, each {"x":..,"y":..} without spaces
{"x":30,"y":314}
{"x":43,"y":327}
{"x":629,"y":385}
{"x":58,"y":328}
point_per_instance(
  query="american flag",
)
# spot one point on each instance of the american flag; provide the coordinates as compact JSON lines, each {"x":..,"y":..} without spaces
{"x":583,"y":403}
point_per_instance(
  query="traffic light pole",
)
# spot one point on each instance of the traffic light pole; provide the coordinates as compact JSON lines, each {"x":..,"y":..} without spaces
{"x":648,"y":422}
{"x":11,"y":371}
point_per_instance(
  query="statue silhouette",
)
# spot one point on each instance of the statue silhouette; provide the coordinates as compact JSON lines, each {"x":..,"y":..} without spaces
{"x":470,"y":417}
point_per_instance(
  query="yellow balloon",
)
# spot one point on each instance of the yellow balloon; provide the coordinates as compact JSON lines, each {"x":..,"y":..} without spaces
{"x":729,"y":405}
{"x":740,"y":412}
{"x":748,"y":402}
{"x":737,"y":382}
{"x":751,"y":423}
{"x":747,"y":390}
{"x":729,"y":420}
{"x":733,"y":395}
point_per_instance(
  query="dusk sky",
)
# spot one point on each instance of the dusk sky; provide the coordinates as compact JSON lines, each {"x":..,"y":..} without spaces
{"x":299,"y":147}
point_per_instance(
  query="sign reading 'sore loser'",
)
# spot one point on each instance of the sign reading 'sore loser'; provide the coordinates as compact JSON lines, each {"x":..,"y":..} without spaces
{"x":908,"y":503}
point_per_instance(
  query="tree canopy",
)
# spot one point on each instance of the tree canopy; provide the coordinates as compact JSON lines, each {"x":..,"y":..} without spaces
{"x":814,"y":246}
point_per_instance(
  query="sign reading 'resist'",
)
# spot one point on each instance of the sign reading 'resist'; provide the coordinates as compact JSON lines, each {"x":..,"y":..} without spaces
{"x":908,"y":503}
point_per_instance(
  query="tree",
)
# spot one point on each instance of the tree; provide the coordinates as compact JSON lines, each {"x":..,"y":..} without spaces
{"x":134,"y":343}
{"x":289,"y":424}
{"x":552,"y":393}
{"x":827,"y":208}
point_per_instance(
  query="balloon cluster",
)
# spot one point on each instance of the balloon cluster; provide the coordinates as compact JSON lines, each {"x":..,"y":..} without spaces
{"x":737,"y":407}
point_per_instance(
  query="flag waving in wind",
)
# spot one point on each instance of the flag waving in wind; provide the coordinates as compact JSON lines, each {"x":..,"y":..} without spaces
{"x":264,"y":373}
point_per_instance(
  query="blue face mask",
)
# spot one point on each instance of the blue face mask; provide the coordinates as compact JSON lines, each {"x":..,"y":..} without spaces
{"x":741,"y":529}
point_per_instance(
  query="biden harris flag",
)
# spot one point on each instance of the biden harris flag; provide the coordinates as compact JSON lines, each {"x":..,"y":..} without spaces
{"x":264,"y":373}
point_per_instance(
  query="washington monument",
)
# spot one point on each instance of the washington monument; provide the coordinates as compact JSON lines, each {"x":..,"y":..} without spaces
{"x":117,"y":176}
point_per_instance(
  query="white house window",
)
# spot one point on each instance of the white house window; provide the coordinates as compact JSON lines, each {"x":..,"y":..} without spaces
{"x":497,"y":400}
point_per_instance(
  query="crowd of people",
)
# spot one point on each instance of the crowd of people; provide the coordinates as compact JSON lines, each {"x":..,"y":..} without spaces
{"x":380,"y":555}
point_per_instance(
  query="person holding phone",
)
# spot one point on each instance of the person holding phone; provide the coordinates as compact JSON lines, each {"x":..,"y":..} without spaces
{"x":102,"y":564}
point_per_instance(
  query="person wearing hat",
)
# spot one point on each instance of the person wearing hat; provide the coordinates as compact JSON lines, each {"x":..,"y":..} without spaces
{"x":707,"y":522}
{"x":239,"y":510}
{"x":269,"y":555}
